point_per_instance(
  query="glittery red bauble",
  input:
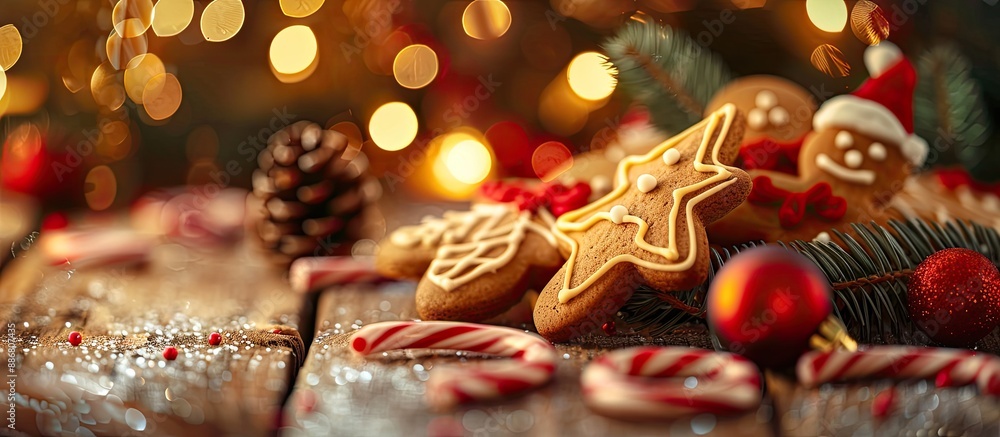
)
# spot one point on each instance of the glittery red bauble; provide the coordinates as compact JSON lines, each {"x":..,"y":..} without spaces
{"x":954,"y":297}
{"x":765,"y":303}
{"x":170,"y":353}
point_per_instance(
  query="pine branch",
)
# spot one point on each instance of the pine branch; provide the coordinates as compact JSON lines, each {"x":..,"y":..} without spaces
{"x":948,"y":103}
{"x":868,"y":273}
{"x":667,"y":71}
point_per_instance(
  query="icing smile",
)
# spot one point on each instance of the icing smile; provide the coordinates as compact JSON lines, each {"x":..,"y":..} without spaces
{"x":864,"y":177}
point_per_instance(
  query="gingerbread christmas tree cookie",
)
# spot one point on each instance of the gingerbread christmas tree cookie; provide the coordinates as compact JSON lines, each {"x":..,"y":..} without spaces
{"x":649,"y":230}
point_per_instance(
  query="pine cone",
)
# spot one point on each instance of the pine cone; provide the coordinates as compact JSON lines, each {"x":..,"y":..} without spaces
{"x":315,"y":192}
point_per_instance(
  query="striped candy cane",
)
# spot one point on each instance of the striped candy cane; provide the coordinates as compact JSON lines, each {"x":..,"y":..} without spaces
{"x":532,"y":366}
{"x":647,"y":383}
{"x":96,"y":247}
{"x":948,"y":367}
{"x":313,"y":273}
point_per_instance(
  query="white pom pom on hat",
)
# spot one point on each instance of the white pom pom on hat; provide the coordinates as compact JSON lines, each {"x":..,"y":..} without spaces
{"x":881,"y":57}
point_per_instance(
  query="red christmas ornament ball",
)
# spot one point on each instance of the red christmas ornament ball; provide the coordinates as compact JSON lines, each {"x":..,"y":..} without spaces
{"x":766,"y":302}
{"x":215,"y":339}
{"x":75,"y":338}
{"x":954,"y":297}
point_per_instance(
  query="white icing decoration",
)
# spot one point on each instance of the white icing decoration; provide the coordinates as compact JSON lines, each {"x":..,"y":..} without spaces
{"x":778,"y":116}
{"x":458,"y":264}
{"x":452,"y":227}
{"x":822,"y":237}
{"x":877,"y":152}
{"x":618,"y":213}
{"x":863,"y":177}
{"x":721,"y":177}
{"x":757,"y":119}
{"x":646,"y":182}
{"x":766,"y":99}
{"x":843,"y":140}
{"x":854,"y":158}
{"x":671,"y":157}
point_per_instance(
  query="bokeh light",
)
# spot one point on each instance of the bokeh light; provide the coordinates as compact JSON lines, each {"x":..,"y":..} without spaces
{"x":132,"y":18}
{"x":468,"y":161}
{"x":827,"y":15}
{"x":162,"y":96}
{"x":293,"y":50}
{"x":486,"y":19}
{"x":115,"y":143}
{"x":22,"y":157}
{"x":300,"y":8}
{"x":590,"y":76}
{"x":393,"y":126}
{"x":122,"y":50}
{"x":830,"y":60}
{"x":550,"y":160}
{"x":171,"y":17}
{"x":3,"y":83}
{"x":100,"y":188}
{"x":415,"y":66}
{"x":107,"y":88}
{"x":868,"y":23}
{"x":139,"y":72}
{"x":10,"y":46}
{"x":222,"y":20}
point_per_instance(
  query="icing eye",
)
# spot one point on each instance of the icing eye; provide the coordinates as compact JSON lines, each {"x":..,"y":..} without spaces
{"x":670,"y":157}
{"x":757,"y":118}
{"x":778,"y":116}
{"x":853,"y":158}
{"x":766,"y":100}
{"x":843,"y":140}
{"x":646,"y":182}
{"x":877,"y":151}
{"x":618,"y":213}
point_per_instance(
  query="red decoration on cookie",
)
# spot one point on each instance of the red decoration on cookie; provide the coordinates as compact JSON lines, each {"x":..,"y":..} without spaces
{"x":953,"y":178}
{"x":215,"y":339}
{"x":170,"y":353}
{"x":769,"y":154}
{"x":818,"y":199}
{"x":558,"y":198}
{"x":75,"y":338}
{"x":766,"y":303}
{"x":954,"y":296}
{"x":276,"y":331}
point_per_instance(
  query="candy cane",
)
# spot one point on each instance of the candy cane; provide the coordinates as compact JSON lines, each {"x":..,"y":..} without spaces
{"x":313,"y":273}
{"x":532,"y":366}
{"x":96,"y":247}
{"x":948,"y":367}
{"x":647,"y":383}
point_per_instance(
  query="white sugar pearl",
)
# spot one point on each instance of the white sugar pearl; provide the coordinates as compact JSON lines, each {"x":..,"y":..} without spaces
{"x":618,"y":214}
{"x":853,"y":158}
{"x":877,"y":151}
{"x":670,"y":157}
{"x":822,"y":237}
{"x":757,"y":119}
{"x":766,"y":99}
{"x":646,"y":182}
{"x":778,"y":116}
{"x":843,"y":140}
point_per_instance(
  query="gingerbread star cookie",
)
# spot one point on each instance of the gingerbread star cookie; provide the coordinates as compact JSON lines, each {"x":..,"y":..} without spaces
{"x":649,"y":230}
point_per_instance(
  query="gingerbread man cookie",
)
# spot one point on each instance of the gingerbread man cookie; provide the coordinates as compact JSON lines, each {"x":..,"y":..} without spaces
{"x":779,"y":114}
{"x":649,"y":230}
{"x":477,"y":264}
{"x":857,"y":158}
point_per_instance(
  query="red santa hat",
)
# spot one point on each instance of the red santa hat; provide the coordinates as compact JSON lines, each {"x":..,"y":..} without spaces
{"x":882,"y":107}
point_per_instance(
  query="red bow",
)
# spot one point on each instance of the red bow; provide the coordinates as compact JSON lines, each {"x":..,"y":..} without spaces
{"x":558,"y":198}
{"x":819,"y":199}
{"x":768,"y":154}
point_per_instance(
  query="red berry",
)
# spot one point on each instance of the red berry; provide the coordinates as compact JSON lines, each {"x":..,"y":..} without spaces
{"x":609,"y":328}
{"x":276,"y":331}
{"x":214,"y":339}
{"x":170,"y":353}
{"x":75,"y":338}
